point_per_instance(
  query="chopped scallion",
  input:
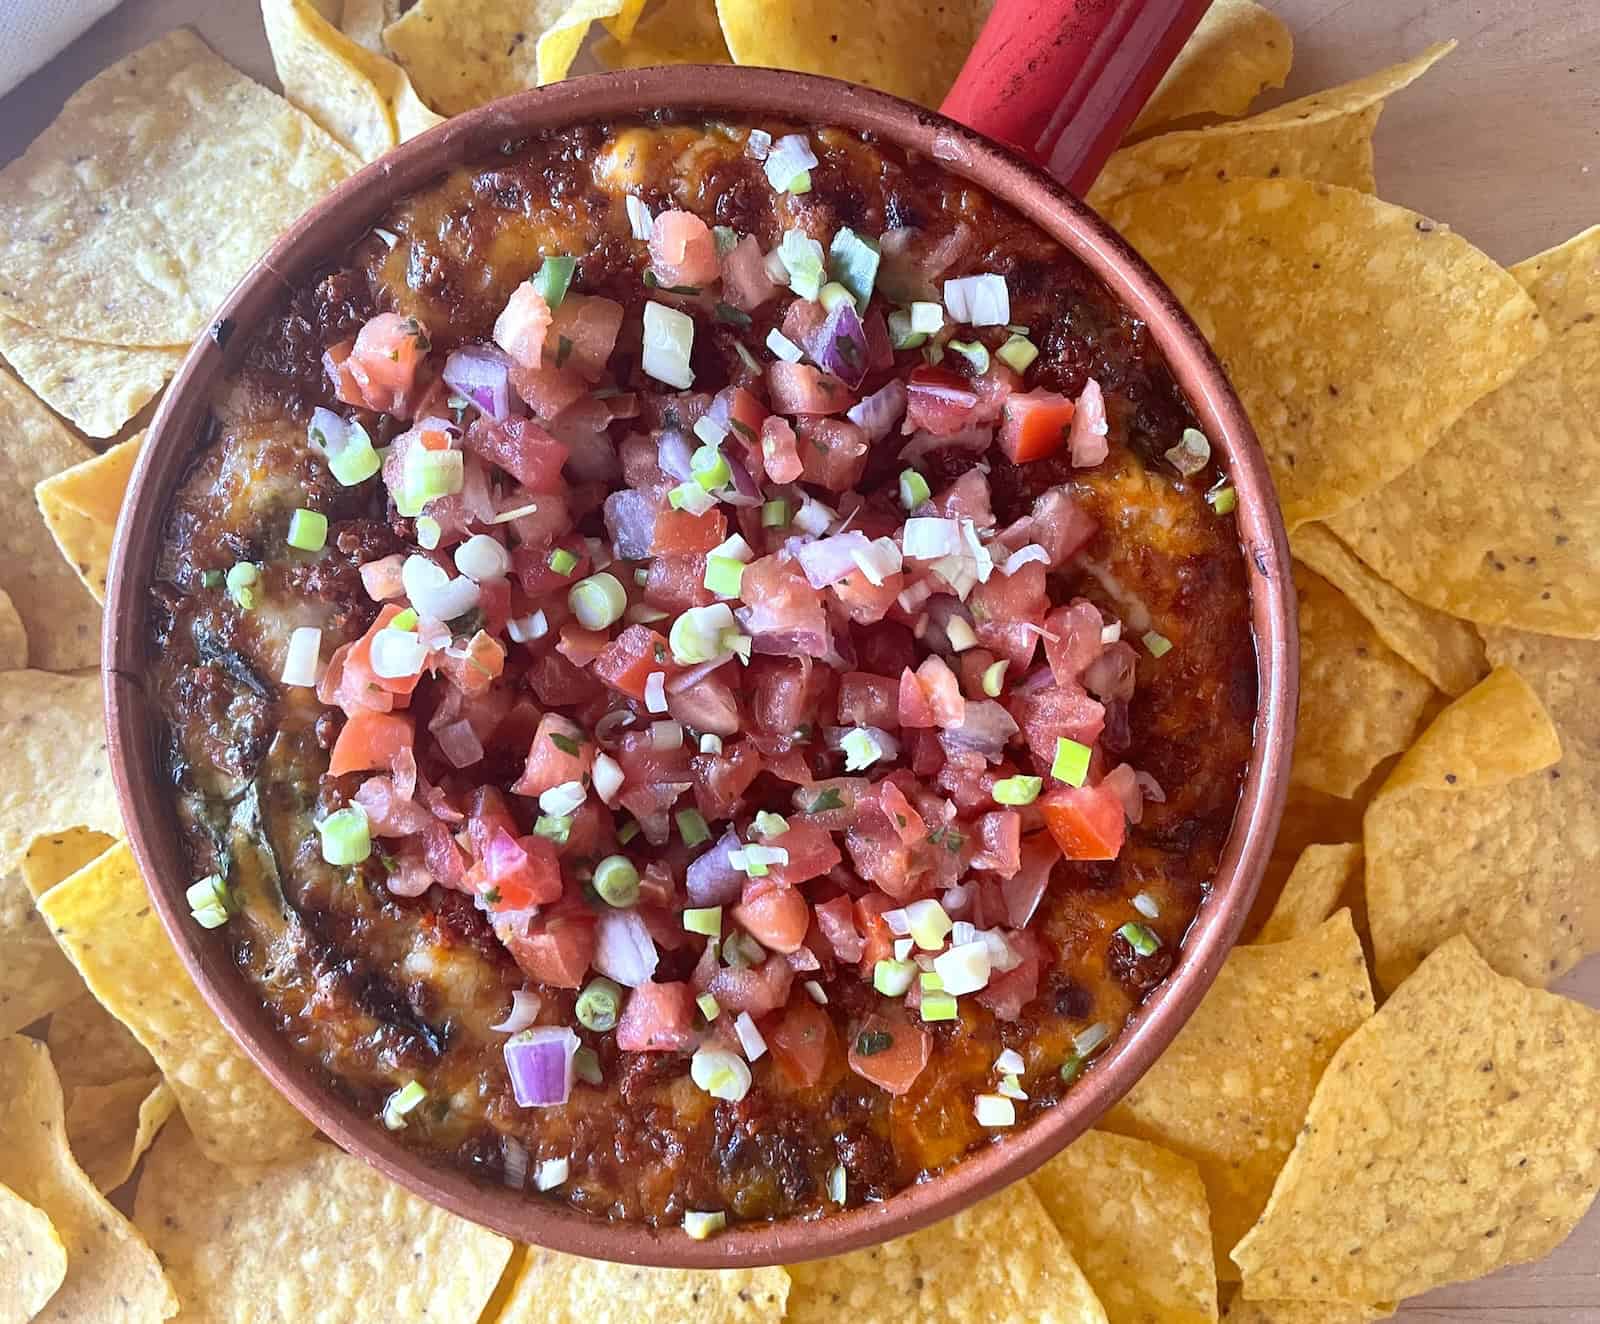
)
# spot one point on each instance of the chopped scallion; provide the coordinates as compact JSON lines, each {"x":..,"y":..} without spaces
{"x":1071,"y":763}
{"x":1018,"y":790}
{"x":616,"y":881}
{"x":599,"y":1005}
{"x":553,"y":279}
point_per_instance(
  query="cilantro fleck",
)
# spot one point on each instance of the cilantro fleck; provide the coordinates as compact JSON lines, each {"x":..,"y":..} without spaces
{"x":829,"y":799}
{"x":492,"y":896}
{"x":563,"y":351}
{"x":873,"y":1042}
{"x":847,"y":351}
{"x":660,"y":653}
{"x":566,"y":744}
{"x":726,"y":312}
{"x":742,"y":428}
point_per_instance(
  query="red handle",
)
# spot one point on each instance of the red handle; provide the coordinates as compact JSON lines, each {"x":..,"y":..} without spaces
{"x":1063,"y":79}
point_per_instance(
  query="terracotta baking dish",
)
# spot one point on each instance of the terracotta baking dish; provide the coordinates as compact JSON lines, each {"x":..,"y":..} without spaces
{"x":737,"y":92}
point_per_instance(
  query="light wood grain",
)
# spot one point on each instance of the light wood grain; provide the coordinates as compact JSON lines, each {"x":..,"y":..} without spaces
{"x":1502,"y":141}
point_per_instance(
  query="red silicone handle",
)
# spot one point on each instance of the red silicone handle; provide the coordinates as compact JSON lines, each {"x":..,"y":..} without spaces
{"x":1063,"y":79}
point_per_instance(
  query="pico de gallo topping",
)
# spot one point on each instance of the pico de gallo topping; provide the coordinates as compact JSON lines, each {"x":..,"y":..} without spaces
{"x":775,"y":670}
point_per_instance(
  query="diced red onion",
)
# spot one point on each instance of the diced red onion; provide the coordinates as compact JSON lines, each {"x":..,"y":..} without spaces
{"x":745,"y":490}
{"x":1024,"y":556}
{"x":749,"y":1037}
{"x":880,"y":411}
{"x":481,"y":373}
{"x":925,"y":538}
{"x":434,"y":593}
{"x":843,"y":345}
{"x":1087,"y":442}
{"x":711,"y":879}
{"x":624,"y":950}
{"x":327,"y":433}
{"x":608,"y":777}
{"x":758,"y":144}
{"x":630,"y":518}
{"x":978,"y":300}
{"x":539,"y":1063}
{"x":977,"y":439}
{"x":459,"y":743}
{"x":828,"y":560}
{"x":814,"y":517}
{"x":675,"y":456}
{"x":789,"y":156}
{"x":1151,"y":788}
{"x":984,"y":730}
{"x":524,"y":1012}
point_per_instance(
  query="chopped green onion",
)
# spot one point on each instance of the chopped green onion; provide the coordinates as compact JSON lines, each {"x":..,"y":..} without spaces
{"x":831,"y":295}
{"x":783,"y":347}
{"x":927,"y":317}
{"x":562,"y":561}
{"x":854,"y":259}
{"x":861,"y":749}
{"x":692,"y":827}
{"x":939,"y":1006}
{"x":893,"y":978}
{"x":751,"y":364}
{"x":429,"y":531}
{"x":402,"y":1101}
{"x":710,"y":468}
{"x":994,"y":1110}
{"x":1140,"y":938}
{"x":801,"y":256}
{"x":994,"y":678}
{"x":929,"y":924}
{"x":406,"y":620}
{"x":1147,"y":905}
{"x":1223,"y":500}
{"x":1088,"y":1040}
{"x":771,"y":825}
{"x":1071,"y":763}
{"x":598,"y":601}
{"x":914,"y":489}
{"x":932,"y":982}
{"x":697,"y":1224}
{"x":706,"y":920}
{"x":346,"y":836}
{"x":627,"y":832}
{"x":726,"y":239}
{"x":586,"y":1066}
{"x":210,"y":902}
{"x":668,"y":345}
{"x":1071,"y":1069}
{"x":701,"y":633}
{"x":710,"y":1008}
{"x":211,"y":579}
{"x":743,"y":951}
{"x":691,"y":496}
{"x":726,"y":312}
{"x":1018,"y":353}
{"x":428,"y":476}
{"x":775,"y":515}
{"x":308,"y":530}
{"x":1191,"y":454}
{"x":554,"y":827}
{"x":837,"y":1183}
{"x":801,"y":183}
{"x":553,"y":278}
{"x":724,"y":576}
{"x":901,"y":336}
{"x":357,"y":461}
{"x":599,"y":1005}
{"x":1018,"y":790}
{"x":616,"y":881}
{"x":974,"y":352}
{"x":1158,"y":644}
{"x":242,"y":581}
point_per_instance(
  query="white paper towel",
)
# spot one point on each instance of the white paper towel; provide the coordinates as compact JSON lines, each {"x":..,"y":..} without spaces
{"x":32,"y":32}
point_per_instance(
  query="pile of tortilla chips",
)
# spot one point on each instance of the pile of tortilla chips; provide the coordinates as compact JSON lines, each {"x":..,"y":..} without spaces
{"x":1306,"y":1149}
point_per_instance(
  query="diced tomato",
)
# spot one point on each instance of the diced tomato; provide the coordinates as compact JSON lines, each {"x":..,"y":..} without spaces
{"x":798,"y":388}
{"x":369,"y":740}
{"x":744,"y":414}
{"x":1006,"y":611}
{"x":1008,"y":993}
{"x":579,"y":646}
{"x":546,"y":389}
{"x":520,"y":328}
{"x":677,"y":532}
{"x":659,"y":1018}
{"x":802,"y":1042}
{"x":865,"y":602}
{"x":556,"y":950}
{"x":1088,"y":442}
{"x":707,"y":705}
{"x":812,"y":852}
{"x":890,"y":1052}
{"x":1076,"y":640}
{"x":1088,"y":822}
{"x":784,"y":611}
{"x":778,"y":694}
{"x":558,"y":683}
{"x":745,"y":282}
{"x":993,"y":388}
{"x":336,"y":364}
{"x":967,"y":498}
{"x":589,"y":325}
{"x":757,"y":989}
{"x":519,"y":872}
{"x":682,"y":250}
{"x":530,"y":562}
{"x":488,"y":813}
{"x":720,"y":779}
{"x":560,"y":754}
{"x":1061,"y":526}
{"x":384,"y":361}
{"x":880,"y":855}
{"x":1000,"y":835}
{"x":931,"y":695}
{"x":478,"y":665}
{"x":868,"y":700}
{"x":901,"y":813}
{"x":1035,"y":424}
{"x":877,"y":938}
{"x":780,"y":454}
{"x":1048,"y":712}
{"x":522,"y":448}
{"x":358,"y":676}
{"x":626,"y":663}
{"x":777,"y":918}
{"x":676,"y":583}
{"x":836,"y":919}
{"x":938,"y":401}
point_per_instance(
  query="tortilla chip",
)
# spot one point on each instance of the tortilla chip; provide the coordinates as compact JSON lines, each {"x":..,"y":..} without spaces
{"x":320,"y":1236}
{"x":51,"y":857}
{"x":319,"y":76}
{"x":1302,"y":1312}
{"x":103,"y":919}
{"x":1360,"y":701}
{"x":112,"y":1275}
{"x":35,"y":978}
{"x":163,"y":179}
{"x":462,"y":53}
{"x":1326,"y":136}
{"x":674,"y":32}
{"x":1445,"y":649}
{"x":1238,"y":51}
{"x":1354,"y":331}
{"x":552,"y":1288}
{"x":1321,"y":878}
{"x":1456,"y":1132}
{"x":1490,"y":825}
{"x":1134,"y":1217}
{"x":363,"y":21}
{"x":92,"y":1047}
{"x":1493,"y":528}
{"x":62,"y":620}
{"x":98,"y":387}
{"x":906,"y":47}
{"x":1231,"y":1091}
{"x":81,"y":505}
{"x":1001,"y":1261}
{"x":621,"y":24}
{"x":13,"y":637}
{"x":35,"y":1259}
{"x":53,"y":768}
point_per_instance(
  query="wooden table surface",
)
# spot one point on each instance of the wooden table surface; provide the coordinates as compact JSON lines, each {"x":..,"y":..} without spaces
{"x":1502,"y":140}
